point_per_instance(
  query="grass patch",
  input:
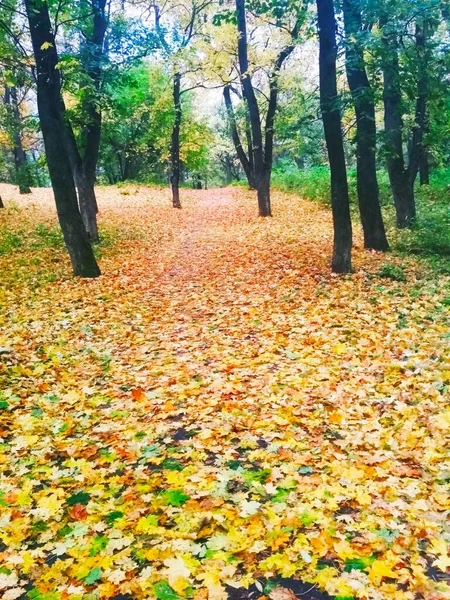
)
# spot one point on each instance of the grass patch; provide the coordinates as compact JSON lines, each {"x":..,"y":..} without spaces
{"x":392,"y":272}
{"x":10,"y":241}
{"x":429,"y":238}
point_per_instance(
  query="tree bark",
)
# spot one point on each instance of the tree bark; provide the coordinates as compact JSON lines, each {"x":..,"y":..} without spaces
{"x":85,"y":189}
{"x":331,"y":116}
{"x":367,"y":184}
{"x":95,"y":56}
{"x":262,"y":183}
{"x":20,"y":158}
{"x":418,"y":155}
{"x":244,"y":160}
{"x":175,"y":145}
{"x":402,"y":185}
{"x":51,"y":115}
{"x":424,"y":167}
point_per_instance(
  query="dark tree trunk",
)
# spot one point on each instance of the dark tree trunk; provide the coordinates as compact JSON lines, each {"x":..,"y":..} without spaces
{"x":175,"y":146}
{"x":424,"y":167}
{"x":86,"y":194}
{"x":261,"y":180}
{"x":367,"y":184}
{"x":85,"y":165}
{"x":418,"y":158}
{"x":244,"y":160}
{"x":248,"y":136}
{"x":341,"y":262}
{"x":94,"y":57}
{"x":1,"y":203}
{"x":51,"y":115}
{"x":399,"y":176}
{"x":20,"y":158}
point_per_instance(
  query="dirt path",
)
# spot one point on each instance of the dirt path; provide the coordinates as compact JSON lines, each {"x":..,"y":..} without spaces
{"x":217,"y":408}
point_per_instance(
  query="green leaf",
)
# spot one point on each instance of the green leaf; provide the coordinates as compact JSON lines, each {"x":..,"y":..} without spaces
{"x":150,"y":451}
{"x":233,"y":464}
{"x":175,"y":497}
{"x":259,"y":476}
{"x":99,"y":543}
{"x":281,"y":495}
{"x":163,"y":591}
{"x":93,"y":576}
{"x":3,"y":405}
{"x":113,"y":516}
{"x":354,"y":564}
{"x":172,"y":464}
{"x":78,"y":498}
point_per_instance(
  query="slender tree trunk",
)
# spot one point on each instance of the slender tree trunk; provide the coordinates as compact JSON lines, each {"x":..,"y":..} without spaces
{"x":244,"y":160}
{"x":399,"y":176}
{"x":51,"y":115}
{"x":417,"y":153}
{"x":175,"y":146}
{"x":86,"y":194}
{"x":367,"y":184}
{"x":424,"y":168}
{"x":1,"y":203}
{"x":261,"y":179}
{"x":20,"y":158}
{"x":341,"y":261}
{"x":95,"y":55}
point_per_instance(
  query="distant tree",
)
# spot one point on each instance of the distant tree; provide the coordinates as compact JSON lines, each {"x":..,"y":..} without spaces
{"x":184,"y":19}
{"x":260,"y":154}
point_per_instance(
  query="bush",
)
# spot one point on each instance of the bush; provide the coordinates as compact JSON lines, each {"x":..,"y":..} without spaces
{"x":313,"y":183}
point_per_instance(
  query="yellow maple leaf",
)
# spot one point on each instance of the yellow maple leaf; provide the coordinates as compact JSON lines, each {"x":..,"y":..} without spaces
{"x":380,"y":569}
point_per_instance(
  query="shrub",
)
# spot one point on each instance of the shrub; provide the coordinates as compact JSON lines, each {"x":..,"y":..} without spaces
{"x":392,"y":272}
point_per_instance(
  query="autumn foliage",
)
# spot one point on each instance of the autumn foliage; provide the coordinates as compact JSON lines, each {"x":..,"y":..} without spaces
{"x":217,"y":409}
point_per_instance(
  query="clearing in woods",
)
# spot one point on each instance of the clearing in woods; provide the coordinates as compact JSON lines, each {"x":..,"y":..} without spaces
{"x":217,"y":409}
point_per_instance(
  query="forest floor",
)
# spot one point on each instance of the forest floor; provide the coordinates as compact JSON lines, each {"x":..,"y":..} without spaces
{"x":218,"y":411}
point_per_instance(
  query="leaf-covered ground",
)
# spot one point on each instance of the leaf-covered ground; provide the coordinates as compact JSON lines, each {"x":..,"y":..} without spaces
{"x":218,"y":410}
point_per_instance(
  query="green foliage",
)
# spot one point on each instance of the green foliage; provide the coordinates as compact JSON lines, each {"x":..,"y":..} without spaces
{"x":78,"y":498}
{"x":174,"y":497}
{"x":10,"y":240}
{"x":313,"y":183}
{"x":137,"y":128}
{"x":163,"y":591}
{"x":392,"y":272}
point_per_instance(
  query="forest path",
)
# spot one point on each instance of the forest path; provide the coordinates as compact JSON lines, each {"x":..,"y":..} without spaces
{"x":218,"y":407}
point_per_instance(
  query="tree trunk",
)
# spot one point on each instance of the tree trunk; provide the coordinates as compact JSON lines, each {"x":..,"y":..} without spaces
{"x":254,"y":115}
{"x":341,"y":261}
{"x":263,"y":193}
{"x":94,"y":56}
{"x":418,"y":160}
{"x":86,"y":194}
{"x":51,"y":115}
{"x":20,"y":158}
{"x":244,"y":160}
{"x":367,"y":184}
{"x":399,"y":177}
{"x":175,"y":146}
{"x":1,"y":203}
{"x":424,"y":167}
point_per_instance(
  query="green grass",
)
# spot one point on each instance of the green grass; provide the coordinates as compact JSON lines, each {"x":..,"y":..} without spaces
{"x":429,"y":238}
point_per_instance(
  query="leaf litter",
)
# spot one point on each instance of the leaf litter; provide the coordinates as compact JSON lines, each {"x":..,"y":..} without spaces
{"x":217,"y":416}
